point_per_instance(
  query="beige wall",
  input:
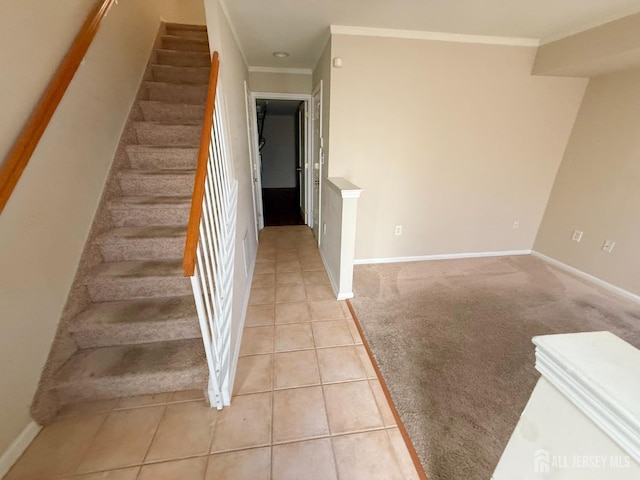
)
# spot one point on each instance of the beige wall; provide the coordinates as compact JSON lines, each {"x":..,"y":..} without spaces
{"x":45,"y":223}
{"x":452,"y":141}
{"x":233,"y":74}
{"x":280,"y":82}
{"x":597,"y":188}
{"x":183,"y":11}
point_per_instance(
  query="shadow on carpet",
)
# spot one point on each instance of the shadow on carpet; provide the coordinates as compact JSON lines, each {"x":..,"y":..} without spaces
{"x":453,"y":341}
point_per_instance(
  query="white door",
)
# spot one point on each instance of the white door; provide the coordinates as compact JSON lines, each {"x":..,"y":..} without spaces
{"x":302,"y":159}
{"x":317,"y":160}
{"x":255,"y":161}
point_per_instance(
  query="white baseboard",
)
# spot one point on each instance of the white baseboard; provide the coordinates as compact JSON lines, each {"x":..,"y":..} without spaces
{"x":586,"y":276}
{"x":339,"y":295}
{"x":17,"y":448}
{"x":445,"y":256}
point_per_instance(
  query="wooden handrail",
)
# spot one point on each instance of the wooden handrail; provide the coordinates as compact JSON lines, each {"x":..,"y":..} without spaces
{"x":19,"y":155}
{"x":195,"y":215}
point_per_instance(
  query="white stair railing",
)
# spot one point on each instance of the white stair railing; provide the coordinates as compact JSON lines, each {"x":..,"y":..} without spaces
{"x":210,"y":246}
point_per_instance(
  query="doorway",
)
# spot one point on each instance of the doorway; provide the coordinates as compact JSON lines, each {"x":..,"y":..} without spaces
{"x":280,"y":127}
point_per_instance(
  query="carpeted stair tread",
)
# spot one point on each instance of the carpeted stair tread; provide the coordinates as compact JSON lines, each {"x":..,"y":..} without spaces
{"x":157,"y":182}
{"x":152,"y":157}
{"x":168,"y":134}
{"x":181,"y":75}
{"x":154,"y":200}
{"x":115,"y":271}
{"x":176,"y":92}
{"x":136,"y":321}
{"x":152,"y":242}
{"x":156,"y":111}
{"x":110,"y":372}
{"x":132,"y":211}
{"x":167,"y":56}
{"x":175,"y":42}
{"x":172,"y":26}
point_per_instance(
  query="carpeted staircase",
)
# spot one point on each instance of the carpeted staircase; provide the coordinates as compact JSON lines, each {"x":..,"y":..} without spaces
{"x":137,"y":332}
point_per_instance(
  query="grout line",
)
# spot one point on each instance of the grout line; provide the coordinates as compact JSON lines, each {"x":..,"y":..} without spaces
{"x":400,"y":424}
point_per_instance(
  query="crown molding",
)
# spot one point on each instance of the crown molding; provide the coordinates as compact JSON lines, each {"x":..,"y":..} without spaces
{"x":438,"y":36}
{"x":290,"y":71}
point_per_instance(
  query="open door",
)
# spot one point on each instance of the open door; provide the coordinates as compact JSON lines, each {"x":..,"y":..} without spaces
{"x":301,"y":166}
{"x":254,"y":159}
{"x":317,"y":161}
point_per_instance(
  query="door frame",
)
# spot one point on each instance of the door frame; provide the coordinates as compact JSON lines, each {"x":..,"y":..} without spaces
{"x":255,"y":155}
{"x":318,"y":90}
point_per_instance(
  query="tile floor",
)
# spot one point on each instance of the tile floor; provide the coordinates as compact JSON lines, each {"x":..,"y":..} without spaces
{"x":307,"y":403}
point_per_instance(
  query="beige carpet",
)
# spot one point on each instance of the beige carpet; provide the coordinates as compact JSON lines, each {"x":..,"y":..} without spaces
{"x":453,"y":341}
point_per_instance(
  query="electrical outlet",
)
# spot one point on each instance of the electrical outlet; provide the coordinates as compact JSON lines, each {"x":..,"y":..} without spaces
{"x":608,"y":245}
{"x":324,"y":228}
{"x":516,"y":224}
{"x":398,"y":230}
{"x":577,"y":236}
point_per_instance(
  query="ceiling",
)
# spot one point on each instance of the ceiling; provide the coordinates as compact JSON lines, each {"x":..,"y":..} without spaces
{"x":301,"y":27}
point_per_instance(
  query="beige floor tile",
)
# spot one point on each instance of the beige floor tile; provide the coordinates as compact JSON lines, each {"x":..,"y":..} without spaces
{"x":245,"y":423}
{"x":266,"y":255}
{"x":185,"y":430}
{"x":311,"y":264}
{"x":143,"y":400}
{"x":308,"y":252}
{"x":312,"y":459}
{"x":254,"y":374}
{"x":289,"y":278}
{"x":325,"y":310}
{"x":355,"y":334}
{"x":253,"y":464}
{"x":262,"y":296}
{"x":260,"y":315}
{"x":315,"y":277}
{"x":88,"y":407}
{"x":264,"y":267}
{"x":296,"y":369}
{"x":189,"y":468}
{"x":287,"y":256}
{"x":290,"y":293}
{"x":402,"y":455}
{"x":340,"y":364}
{"x":292,"y":312}
{"x":123,"y":439}
{"x":256,"y":340}
{"x":366,"y":362}
{"x":288,"y":266}
{"x":345,"y":309}
{"x":351,"y":407}
{"x":295,"y":336}
{"x":383,"y":405}
{"x":187,"y":395}
{"x":263,"y":280}
{"x":120,"y":474}
{"x":298,"y":414}
{"x":58,"y":448}
{"x":366,"y":456}
{"x":319,"y":292}
{"x":331,"y":333}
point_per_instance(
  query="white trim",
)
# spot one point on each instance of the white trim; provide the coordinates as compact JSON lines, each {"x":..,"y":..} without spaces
{"x":303,"y":97}
{"x":438,"y":36}
{"x":339,"y":295}
{"x":573,"y":364}
{"x":245,"y":307}
{"x":588,"y":26}
{"x":586,"y":276}
{"x":236,"y":37}
{"x":290,"y":71}
{"x":445,"y":256}
{"x":17,"y":448}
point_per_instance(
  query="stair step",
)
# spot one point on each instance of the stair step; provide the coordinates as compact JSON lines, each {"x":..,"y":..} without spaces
{"x":115,"y":281}
{"x":154,"y":111}
{"x":139,"y":211}
{"x":181,"y":75}
{"x":136,"y":321}
{"x":142,"y":243}
{"x":172,"y":42}
{"x":152,"y":158}
{"x":172,"y":26}
{"x":176,"y":93}
{"x":111,"y":372}
{"x":151,"y":133}
{"x":157,"y":182}
{"x":182,"y":58}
